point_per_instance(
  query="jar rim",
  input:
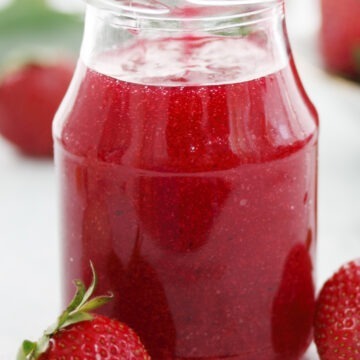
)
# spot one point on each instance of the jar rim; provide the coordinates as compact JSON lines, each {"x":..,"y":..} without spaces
{"x":151,"y":8}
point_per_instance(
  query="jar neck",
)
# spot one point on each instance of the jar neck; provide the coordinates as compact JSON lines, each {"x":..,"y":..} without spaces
{"x":113,"y":27}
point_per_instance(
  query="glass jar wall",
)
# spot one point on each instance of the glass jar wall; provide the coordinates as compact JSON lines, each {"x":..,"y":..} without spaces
{"x":186,"y":150}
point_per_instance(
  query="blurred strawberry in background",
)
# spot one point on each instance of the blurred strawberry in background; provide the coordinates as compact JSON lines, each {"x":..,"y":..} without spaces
{"x":340,"y":36}
{"x":38,"y":48}
{"x":29,"y":98}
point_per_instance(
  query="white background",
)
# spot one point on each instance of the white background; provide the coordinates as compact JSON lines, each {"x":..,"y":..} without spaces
{"x":29,"y":264}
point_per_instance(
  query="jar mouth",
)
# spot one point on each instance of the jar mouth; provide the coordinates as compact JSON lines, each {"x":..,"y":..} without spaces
{"x":185,"y":10}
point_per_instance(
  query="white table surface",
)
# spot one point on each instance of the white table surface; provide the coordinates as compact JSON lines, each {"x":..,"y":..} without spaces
{"x":29,"y":263}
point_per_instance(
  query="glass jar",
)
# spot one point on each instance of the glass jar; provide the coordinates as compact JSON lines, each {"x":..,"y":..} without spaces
{"x":340,"y":36}
{"x":186,"y":150}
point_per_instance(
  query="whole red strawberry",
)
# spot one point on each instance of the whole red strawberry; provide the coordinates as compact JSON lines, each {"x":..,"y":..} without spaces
{"x":29,"y":98}
{"x":101,"y":338}
{"x":80,"y":335}
{"x":340,"y":36}
{"x":337,"y":316}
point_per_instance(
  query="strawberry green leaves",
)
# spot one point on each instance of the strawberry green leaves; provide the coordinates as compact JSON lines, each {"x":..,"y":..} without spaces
{"x":32,"y":27}
{"x":79,"y":309}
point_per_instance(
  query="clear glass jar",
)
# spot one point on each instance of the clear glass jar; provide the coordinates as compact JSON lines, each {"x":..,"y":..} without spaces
{"x":186,"y":150}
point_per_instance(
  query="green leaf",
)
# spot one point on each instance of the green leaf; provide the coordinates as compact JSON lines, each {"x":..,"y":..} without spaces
{"x":54,"y":327}
{"x":27,"y":348}
{"x":79,"y":296}
{"x":73,"y":306}
{"x":96,"y":302}
{"x":30,"y":27}
{"x":92,"y":286}
{"x":42,"y":345}
{"x":76,"y":318}
{"x":60,"y":321}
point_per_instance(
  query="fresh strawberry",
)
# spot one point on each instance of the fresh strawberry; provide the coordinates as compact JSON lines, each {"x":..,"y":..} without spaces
{"x":340,"y":36}
{"x":29,"y":98}
{"x":337,"y":316}
{"x":81,"y":335}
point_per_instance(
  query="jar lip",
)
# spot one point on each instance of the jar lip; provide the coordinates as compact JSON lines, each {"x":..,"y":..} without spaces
{"x":149,"y":8}
{"x":231,"y":2}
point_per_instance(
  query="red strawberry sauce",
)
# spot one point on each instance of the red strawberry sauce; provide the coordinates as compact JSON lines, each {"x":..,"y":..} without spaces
{"x":197,"y":205}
